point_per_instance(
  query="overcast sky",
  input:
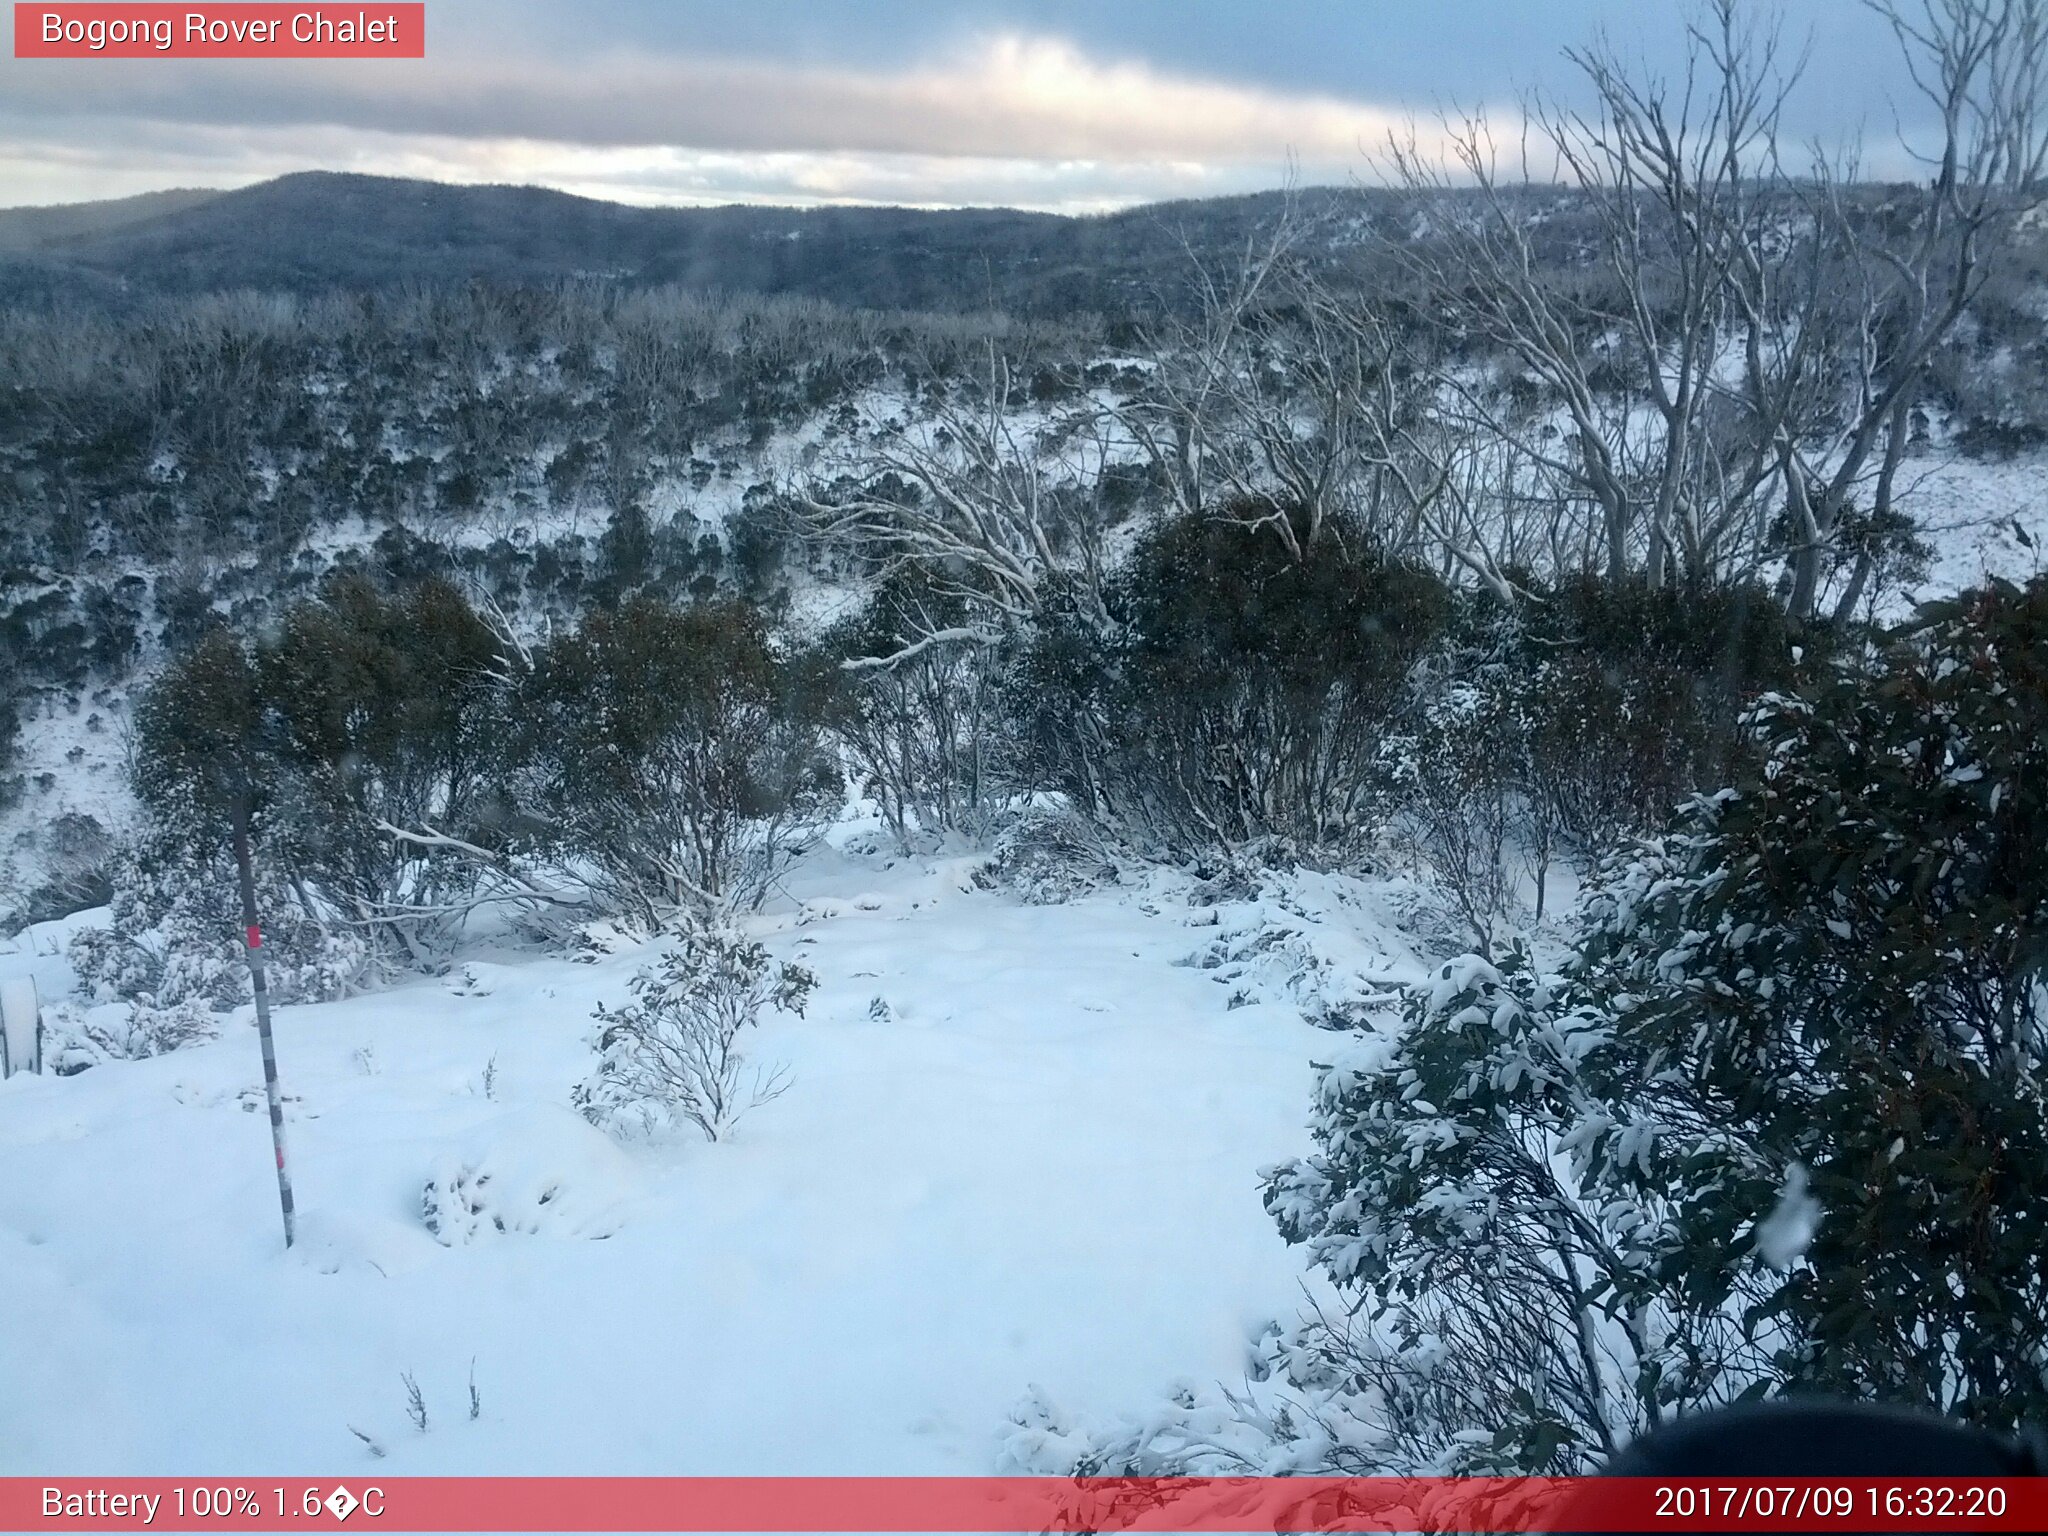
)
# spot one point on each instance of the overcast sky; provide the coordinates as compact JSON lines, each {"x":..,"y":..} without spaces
{"x":1036,"y":103}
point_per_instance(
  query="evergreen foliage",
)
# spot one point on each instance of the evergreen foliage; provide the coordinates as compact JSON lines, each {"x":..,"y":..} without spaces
{"x":1242,"y":693}
{"x":1782,"y":1124}
{"x":675,"y":756}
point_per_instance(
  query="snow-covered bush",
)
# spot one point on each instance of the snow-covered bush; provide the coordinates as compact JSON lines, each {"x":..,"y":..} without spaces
{"x":1555,"y":730}
{"x":1048,"y":854}
{"x":174,"y":936}
{"x":1459,"y":778}
{"x":673,"y":1054}
{"x":1508,"y":1220}
{"x":1633,"y":695}
{"x":79,"y":1038}
{"x":1844,"y":962}
{"x":1515,"y":1205}
{"x":534,"y":1172}
{"x":917,"y":715}
{"x":1336,"y":947}
{"x":1238,"y":693}
{"x":1781,"y":1124}
{"x":1311,"y":1403}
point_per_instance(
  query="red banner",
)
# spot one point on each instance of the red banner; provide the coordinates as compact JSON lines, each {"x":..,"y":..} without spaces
{"x":235,"y":31}
{"x":920,"y":1504}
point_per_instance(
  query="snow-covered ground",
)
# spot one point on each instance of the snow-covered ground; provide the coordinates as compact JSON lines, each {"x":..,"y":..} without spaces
{"x":1983,"y":518}
{"x":1033,"y":1163}
{"x":1021,"y":1150}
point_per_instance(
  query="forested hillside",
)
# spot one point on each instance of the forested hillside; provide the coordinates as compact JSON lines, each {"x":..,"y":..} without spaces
{"x":320,"y":232}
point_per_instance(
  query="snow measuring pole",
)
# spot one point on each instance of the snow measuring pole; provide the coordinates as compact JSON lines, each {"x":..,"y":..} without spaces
{"x":252,"y":938}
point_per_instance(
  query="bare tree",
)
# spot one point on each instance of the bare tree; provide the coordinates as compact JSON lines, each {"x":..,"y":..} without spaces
{"x":991,"y":506}
{"x":1258,"y":396}
{"x":1626,"y":331}
{"x":1296,"y":399}
{"x":1902,"y":276}
{"x":1735,"y":345}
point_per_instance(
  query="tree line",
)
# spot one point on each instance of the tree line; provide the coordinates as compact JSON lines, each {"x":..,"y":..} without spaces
{"x":409,"y":760}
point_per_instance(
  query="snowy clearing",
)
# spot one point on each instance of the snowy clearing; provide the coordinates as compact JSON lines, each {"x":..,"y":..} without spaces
{"x":1034,"y":1162}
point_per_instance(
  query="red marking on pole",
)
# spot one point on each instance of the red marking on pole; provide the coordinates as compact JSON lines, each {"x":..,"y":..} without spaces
{"x":255,"y":935}
{"x":280,"y":1157}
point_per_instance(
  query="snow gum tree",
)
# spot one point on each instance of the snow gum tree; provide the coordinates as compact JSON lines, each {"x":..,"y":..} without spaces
{"x":387,"y":717}
{"x":359,"y":746}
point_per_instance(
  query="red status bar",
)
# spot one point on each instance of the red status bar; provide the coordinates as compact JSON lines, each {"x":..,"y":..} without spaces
{"x":920,"y":1504}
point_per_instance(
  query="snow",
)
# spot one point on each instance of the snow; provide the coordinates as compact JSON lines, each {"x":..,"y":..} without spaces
{"x":1019,"y":1154}
{"x":540,"y":1170}
{"x":1983,"y":517}
{"x":1783,"y":1236}
{"x":1036,"y":1165}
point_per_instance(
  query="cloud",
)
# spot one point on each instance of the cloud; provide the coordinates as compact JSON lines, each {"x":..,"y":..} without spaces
{"x":59,"y":171}
{"x":1009,"y":118}
{"x":1010,"y":96}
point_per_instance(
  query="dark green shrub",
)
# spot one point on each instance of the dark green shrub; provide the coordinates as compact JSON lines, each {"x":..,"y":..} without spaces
{"x":679,"y":760}
{"x":1781,"y":1125}
{"x":1241,"y":694}
{"x":1633,"y":693}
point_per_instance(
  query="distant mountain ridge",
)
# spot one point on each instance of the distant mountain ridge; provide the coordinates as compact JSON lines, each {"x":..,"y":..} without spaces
{"x":35,"y":228}
{"x":315,"y":232}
